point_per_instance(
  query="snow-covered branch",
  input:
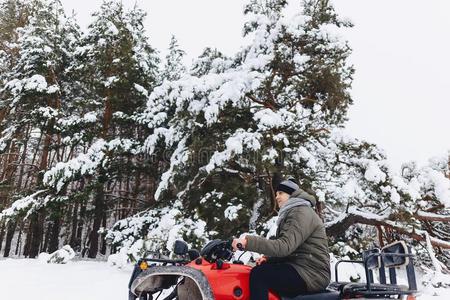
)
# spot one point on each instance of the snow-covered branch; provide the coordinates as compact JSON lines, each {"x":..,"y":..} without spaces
{"x":354,"y":216}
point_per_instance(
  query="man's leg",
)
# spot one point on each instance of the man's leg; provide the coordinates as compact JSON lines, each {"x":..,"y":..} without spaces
{"x":281,"y":278}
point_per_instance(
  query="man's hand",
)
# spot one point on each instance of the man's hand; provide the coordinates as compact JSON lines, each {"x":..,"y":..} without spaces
{"x":261,"y":260}
{"x":242,"y":241}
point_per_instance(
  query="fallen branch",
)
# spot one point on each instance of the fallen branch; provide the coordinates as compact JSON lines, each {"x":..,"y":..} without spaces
{"x":427,"y":216}
{"x":339,"y":226}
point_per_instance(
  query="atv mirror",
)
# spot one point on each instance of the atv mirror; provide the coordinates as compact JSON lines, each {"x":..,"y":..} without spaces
{"x":180,"y":248}
{"x":395,"y":254}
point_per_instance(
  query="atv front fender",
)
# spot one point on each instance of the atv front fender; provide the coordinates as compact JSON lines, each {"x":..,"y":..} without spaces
{"x":156,"y":278}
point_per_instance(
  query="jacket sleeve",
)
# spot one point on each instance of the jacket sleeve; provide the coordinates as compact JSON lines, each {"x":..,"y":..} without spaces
{"x":296,"y":228}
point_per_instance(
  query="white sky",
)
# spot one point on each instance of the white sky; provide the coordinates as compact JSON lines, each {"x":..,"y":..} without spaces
{"x":401,"y":52}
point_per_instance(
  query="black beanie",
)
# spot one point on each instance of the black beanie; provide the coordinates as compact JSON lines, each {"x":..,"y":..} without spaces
{"x":288,"y":186}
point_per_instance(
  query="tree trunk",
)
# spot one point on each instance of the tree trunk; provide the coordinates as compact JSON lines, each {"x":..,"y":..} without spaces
{"x":27,"y":246}
{"x":9,"y":158}
{"x":79,"y":239}
{"x":29,"y":177}
{"x":46,"y":235}
{"x":37,"y":231}
{"x":107,"y":115}
{"x":22,"y":159}
{"x":103,"y":249}
{"x":19,"y":240}
{"x":99,"y":197}
{"x":45,"y":151}
{"x":9,"y":236}
{"x":53,"y":244}
{"x":380,"y":235}
{"x":73,"y":233}
{"x":2,"y":234}
{"x":137,"y":189}
{"x":99,"y":204}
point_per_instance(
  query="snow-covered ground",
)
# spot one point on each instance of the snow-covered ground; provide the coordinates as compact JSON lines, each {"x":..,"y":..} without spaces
{"x":24,"y":279}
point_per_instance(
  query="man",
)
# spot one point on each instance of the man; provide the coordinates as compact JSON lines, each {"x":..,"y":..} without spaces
{"x":297,"y":260}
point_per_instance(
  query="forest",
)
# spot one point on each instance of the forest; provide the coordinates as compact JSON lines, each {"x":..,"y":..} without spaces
{"x":108,"y":147}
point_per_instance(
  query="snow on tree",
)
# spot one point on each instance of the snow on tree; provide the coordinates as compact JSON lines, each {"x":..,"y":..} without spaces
{"x":155,"y":231}
{"x":234,"y":126}
{"x":34,"y":90}
{"x":118,"y":84}
{"x":113,"y":68}
{"x":244,"y":106}
{"x":93,"y":137}
{"x":173,"y":67}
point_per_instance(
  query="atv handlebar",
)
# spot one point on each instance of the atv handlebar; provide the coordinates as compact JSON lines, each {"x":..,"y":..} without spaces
{"x":167,"y":261}
{"x":217,"y":249}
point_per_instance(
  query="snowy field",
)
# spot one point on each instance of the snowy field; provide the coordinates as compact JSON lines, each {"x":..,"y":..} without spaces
{"x":24,"y":279}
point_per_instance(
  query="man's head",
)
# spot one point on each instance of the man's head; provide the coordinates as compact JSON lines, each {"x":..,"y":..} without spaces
{"x":285,"y":190}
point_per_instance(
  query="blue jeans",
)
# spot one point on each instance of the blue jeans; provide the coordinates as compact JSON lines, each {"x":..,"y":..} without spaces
{"x":281,"y":278}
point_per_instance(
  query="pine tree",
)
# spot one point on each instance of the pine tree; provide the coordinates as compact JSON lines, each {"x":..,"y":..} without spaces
{"x":268,"y":81}
{"x":35,"y":92}
{"x":60,"y":94}
{"x":235,"y":126}
{"x":118,"y":83}
{"x":174,"y":67}
{"x":243,"y":105}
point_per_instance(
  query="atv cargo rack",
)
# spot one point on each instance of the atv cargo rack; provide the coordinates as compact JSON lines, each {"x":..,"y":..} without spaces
{"x":390,"y":257}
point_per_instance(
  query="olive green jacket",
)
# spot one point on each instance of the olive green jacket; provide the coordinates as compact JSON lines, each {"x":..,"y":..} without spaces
{"x":300,"y":241}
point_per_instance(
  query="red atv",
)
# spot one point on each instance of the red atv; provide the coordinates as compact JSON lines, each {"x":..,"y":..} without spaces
{"x":210,"y":275}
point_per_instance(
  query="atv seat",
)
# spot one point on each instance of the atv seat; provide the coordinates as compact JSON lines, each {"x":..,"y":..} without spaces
{"x":324,"y":295}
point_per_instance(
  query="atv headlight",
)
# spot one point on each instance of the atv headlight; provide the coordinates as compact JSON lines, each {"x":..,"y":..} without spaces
{"x":143,"y":265}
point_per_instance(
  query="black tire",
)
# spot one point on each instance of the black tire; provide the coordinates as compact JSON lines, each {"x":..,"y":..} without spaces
{"x":131,"y":296}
